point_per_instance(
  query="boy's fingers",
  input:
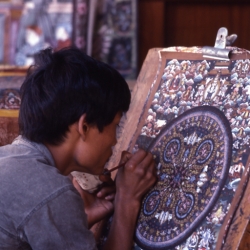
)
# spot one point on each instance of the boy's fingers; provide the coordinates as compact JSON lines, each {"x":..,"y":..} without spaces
{"x":125,"y":157}
{"x":106,"y":178}
{"x":141,"y":160}
{"x":110,"y":197}
{"x":106,"y":191}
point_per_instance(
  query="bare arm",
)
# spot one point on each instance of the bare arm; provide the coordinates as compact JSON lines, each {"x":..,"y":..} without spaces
{"x":98,"y":205}
{"x":132,"y":182}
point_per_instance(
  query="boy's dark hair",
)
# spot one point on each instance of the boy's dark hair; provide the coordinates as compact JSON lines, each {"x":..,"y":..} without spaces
{"x":62,"y":86}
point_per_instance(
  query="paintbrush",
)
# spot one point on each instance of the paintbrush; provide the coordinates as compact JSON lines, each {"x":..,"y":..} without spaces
{"x":107,"y":171}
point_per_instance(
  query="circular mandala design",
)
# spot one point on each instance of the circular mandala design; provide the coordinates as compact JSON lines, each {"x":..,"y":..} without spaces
{"x":184,"y":206}
{"x":193,"y":155}
{"x":172,"y":148}
{"x":151,"y":203}
{"x":204,"y":151}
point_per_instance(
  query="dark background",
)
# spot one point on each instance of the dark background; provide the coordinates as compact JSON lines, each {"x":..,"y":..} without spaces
{"x":165,"y":23}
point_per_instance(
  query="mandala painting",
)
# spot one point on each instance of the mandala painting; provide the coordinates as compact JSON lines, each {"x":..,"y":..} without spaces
{"x":198,"y":127}
{"x":195,"y":120}
{"x":193,"y":156}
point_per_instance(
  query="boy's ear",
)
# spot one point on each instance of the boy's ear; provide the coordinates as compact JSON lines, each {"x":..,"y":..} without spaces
{"x":83,"y":126}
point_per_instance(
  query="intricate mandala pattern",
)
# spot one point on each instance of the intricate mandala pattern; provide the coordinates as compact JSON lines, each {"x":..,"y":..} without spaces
{"x":193,"y":154}
{"x":186,"y":84}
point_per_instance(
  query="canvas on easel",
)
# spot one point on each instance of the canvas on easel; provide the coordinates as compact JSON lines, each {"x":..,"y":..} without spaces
{"x":196,"y":124}
{"x":192,"y":112}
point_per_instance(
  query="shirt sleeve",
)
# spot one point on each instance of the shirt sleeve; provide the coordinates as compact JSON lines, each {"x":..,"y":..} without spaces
{"x":59,"y":223}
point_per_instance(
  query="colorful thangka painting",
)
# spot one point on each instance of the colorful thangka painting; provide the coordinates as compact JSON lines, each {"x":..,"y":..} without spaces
{"x":33,"y":25}
{"x":198,"y":129}
{"x":104,"y":29}
{"x":10,"y":101}
{"x":193,"y":156}
{"x":10,"y":83}
{"x":115,"y":35}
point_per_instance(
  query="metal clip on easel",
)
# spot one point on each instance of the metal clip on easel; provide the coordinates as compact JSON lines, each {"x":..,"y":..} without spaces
{"x":219,"y":51}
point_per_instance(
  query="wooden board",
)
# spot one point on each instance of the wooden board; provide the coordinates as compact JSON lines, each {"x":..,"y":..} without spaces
{"x":229,"y":94}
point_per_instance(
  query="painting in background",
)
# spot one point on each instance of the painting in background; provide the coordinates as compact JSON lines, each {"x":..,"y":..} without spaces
{"x":11,"y":79}
{"x":115,"y":37}
{"x":33,"y":25}
{"x":80,"y":23}
{"x":104,"y":29}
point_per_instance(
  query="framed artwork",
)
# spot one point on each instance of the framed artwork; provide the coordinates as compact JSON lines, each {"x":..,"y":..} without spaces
{"x":34,"y":25}
{"x":196,"y":125}
{"x":115,"y":35}
{"x":11,"y":79}
{"x":193,"y":116}
{"x":103,"y":29}
{"x":4,"y":33}
{"x":80,"y":23}
{"x":43,"y":24}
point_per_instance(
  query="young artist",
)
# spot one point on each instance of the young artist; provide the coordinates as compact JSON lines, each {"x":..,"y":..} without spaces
{"x":71,"y":107}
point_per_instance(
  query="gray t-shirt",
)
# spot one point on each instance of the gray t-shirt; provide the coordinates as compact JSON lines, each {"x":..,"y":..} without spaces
{"x":39,"y":207}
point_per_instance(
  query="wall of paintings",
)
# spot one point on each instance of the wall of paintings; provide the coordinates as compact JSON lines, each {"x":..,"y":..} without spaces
{"x":104,"y":29}
{"x":114,"y":39}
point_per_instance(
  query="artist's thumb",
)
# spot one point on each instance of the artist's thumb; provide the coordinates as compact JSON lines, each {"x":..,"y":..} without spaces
{"x":125,"y":156}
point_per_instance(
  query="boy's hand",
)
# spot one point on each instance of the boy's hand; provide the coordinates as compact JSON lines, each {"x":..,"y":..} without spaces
{"x":98,"y":205}
{"x":132,"y":182}
{"x":107,"y":189}
{"x":137,"y":177}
